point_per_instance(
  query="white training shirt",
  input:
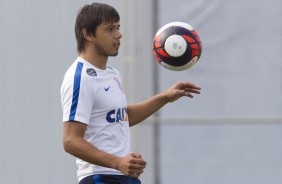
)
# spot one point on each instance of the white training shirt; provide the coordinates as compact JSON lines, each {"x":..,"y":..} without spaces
{"x":96,"y":97}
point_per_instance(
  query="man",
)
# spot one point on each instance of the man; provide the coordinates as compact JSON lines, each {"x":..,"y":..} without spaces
{"x":96,"y":115}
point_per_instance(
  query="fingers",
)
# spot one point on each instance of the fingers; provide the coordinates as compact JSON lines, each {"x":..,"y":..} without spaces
{"x":136,"y":155}
{"x":136,"y":167}
{"x":192,"y":90}
{"x":135,"y":173}
{"x":188,"y":88}
{"x":189,"y":94}
{"x":132,"y":165}
{"x":137,"y":159}
{"x":196,"y":86}
{"x":188,"y":85}
{"x":137,"y":164}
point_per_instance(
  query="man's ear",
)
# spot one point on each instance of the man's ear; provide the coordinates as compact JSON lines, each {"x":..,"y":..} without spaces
{"x":86,"y":35}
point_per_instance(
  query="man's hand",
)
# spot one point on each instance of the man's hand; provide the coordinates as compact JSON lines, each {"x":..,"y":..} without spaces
{"x":181,"y":89}
{"x":132,"y":165}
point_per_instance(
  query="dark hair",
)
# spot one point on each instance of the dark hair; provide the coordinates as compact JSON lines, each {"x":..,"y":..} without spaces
{"x":90,"y":17}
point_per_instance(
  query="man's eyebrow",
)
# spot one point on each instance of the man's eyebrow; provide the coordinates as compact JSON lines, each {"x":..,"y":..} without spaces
{"x":112,"y":25}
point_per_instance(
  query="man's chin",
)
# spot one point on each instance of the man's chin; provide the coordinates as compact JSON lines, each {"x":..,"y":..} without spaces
{"x":113,"y":54}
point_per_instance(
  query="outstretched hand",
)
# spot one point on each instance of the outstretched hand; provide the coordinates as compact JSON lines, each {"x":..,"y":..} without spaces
{"x":140,"y":111}
{"x":181,"y":89}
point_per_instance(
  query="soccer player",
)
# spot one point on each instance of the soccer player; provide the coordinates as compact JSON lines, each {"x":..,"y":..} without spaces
{"x":96,"y":115}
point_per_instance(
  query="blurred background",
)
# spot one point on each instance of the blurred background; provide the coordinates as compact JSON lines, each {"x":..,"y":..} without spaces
{"x":231,"y":133}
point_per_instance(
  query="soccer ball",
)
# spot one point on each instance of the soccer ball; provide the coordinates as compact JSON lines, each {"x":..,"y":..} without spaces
{"x":177,"y":46}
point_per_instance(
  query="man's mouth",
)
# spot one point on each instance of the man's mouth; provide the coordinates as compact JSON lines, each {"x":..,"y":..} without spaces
{"x":116,"y":44}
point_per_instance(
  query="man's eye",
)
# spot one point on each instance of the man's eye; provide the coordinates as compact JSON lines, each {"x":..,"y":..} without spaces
{"x":110,"y":29}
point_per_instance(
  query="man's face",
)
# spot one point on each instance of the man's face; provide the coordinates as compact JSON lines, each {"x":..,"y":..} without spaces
{"x":107,"y":39}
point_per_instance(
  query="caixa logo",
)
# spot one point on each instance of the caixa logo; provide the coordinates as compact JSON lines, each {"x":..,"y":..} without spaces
{"x":117,"y":115}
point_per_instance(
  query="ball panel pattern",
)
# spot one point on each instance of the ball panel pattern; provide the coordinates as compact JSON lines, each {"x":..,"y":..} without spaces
{"x":177,"y":60}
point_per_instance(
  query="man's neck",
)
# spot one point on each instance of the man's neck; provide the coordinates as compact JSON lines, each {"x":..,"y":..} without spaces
{"x":94,"y":59}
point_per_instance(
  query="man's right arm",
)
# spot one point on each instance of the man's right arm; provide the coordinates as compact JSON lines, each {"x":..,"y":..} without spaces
{"x":74,"y":144}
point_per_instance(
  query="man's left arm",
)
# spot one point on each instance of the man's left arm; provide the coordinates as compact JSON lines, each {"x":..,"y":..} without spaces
{"x":140,"y":111}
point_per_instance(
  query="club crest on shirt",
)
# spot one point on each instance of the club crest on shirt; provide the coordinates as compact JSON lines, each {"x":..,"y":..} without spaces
{"x":119,"y":84}
{"x":91,"y":72}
